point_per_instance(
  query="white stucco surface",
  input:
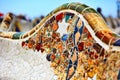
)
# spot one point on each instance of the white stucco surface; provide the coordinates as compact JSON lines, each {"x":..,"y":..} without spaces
{"x":17,"y":63}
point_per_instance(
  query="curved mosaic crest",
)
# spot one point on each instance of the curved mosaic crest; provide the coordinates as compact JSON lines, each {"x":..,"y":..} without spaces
{"x":76,"y":41}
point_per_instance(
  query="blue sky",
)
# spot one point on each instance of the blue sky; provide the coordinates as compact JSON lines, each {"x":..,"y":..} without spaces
{"x":35,"y":8}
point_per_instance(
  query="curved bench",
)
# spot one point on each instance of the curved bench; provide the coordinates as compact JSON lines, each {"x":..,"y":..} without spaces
{"x":67,"y":32}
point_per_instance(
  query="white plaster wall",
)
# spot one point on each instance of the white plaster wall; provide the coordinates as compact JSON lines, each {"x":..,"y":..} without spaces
{"x":17,"y":63}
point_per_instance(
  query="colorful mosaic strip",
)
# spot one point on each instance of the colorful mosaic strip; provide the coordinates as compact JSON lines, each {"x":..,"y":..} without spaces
{"x":70,"y":50}
{"x":104,"y":33}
